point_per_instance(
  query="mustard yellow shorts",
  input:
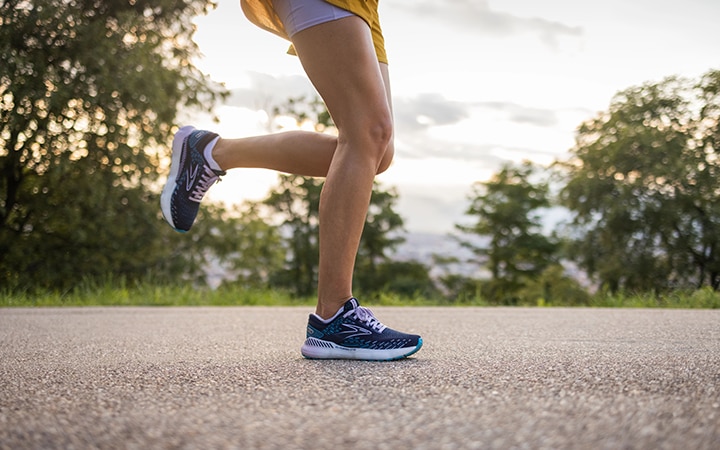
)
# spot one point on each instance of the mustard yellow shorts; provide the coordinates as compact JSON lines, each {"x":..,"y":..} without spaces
{"x":291,"y":16}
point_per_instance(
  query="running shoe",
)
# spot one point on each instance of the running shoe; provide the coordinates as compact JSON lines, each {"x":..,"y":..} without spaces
{"x":355,"y":333}
{"x":190,"y":178}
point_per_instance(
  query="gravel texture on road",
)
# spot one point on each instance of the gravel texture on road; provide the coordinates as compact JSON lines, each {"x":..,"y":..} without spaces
{"x":233,"y":378}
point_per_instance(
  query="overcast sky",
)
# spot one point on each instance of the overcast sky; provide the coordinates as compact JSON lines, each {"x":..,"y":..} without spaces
{"x":475,"y":83}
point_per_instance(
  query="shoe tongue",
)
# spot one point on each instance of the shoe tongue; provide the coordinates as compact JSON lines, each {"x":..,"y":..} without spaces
{"x":351,"y":304}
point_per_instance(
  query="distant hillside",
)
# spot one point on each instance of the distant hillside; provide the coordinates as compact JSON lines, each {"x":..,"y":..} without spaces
{"x":422,"y":246}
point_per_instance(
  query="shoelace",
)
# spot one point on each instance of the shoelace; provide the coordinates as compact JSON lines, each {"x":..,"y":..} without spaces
{"x":366,"y":316}
{"x":207,"y":179}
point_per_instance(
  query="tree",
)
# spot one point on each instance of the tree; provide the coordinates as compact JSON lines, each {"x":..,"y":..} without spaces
{"x":643,"y":184}
{"x":515,"y":251}
{"x":236,"y":243}
{"x":295,"y":202}
{"x":380,"y":235}
{"x":553,"y":287}
{"x":404,"y":278}
{"x":89,"y":91}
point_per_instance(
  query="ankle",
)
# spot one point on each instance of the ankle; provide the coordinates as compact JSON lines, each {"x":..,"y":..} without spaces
{"x":329,"y":309}
{"x":208,"y":153}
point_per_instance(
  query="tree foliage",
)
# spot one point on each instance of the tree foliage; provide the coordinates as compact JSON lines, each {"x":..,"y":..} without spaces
{"x":235,"y":245}
{"x":374,"y":270}
{"x":511,"y":245}
{"x":88,"y":95}
{"x":643,"y":185}
{"x":295,"y":202}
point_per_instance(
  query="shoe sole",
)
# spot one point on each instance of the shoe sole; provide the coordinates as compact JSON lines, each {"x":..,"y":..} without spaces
{"x":314,"y":348}
{"x":166,"y":196}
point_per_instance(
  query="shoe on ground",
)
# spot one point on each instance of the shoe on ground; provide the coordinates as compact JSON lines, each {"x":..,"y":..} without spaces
{"x":355,"y":333}
{"x":190,"y":178}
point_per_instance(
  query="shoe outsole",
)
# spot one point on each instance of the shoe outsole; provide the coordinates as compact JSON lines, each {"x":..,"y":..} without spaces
{"x":334,"y":351}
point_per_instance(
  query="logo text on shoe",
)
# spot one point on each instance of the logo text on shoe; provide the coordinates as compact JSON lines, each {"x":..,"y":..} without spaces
{"x":191,"y":176}
{"x":354,"y":330}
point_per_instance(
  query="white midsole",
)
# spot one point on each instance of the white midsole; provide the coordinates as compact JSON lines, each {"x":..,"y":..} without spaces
{"x":329,"y":350}
{"x":167,"y":192}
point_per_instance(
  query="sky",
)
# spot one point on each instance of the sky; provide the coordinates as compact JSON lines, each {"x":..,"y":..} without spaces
{"x":475,"y":84}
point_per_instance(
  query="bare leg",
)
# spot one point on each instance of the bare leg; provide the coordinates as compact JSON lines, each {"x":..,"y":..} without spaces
{"x":298,"y":152}
{"x":340,"y":60}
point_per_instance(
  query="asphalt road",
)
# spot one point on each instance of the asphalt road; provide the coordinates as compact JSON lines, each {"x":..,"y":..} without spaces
{"x":495,"y":378}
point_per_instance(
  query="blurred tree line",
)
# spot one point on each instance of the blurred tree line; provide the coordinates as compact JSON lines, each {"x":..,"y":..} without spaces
{"x":89,"y":91}
{"x":641,"y":189}
{"x":89,"y":94}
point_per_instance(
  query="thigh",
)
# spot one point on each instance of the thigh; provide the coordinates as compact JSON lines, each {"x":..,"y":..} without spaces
{"x":339,"y":58}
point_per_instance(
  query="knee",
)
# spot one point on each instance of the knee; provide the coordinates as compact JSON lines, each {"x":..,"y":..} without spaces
{"x":387,"y":158}
{"x":372,"y":139}
{"x":380,"y":134}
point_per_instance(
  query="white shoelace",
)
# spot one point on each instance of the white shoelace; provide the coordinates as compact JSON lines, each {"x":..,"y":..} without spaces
{"x":207,"y":179}
{"x":367,"y":317}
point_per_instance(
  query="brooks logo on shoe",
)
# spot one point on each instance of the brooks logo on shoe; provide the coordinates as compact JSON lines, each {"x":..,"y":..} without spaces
{"x":191,"y":176}
{"x":353,"y":331}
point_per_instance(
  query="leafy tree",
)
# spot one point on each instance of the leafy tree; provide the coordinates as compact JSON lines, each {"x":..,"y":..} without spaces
{"x":295,"y":201}
{"x":643,"y":184}
{"x":236,"y":243}
{"x":405,"y":278}
{"x":553,"y":287}
{"x":89,"y":91}
{"x":459,"y":288}
{"x":380,"y":236}
{"x":512,"y":245}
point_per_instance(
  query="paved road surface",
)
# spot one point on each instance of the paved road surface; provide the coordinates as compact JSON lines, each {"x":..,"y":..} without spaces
{"x":142,"y":378}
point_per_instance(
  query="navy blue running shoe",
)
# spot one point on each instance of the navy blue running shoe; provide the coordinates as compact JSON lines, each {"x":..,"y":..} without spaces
{"x":355,"y":333}
{"x":190,"y":178}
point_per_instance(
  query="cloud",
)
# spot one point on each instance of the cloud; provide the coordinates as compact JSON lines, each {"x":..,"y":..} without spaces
{"x":266,"y":91}
{"x":416,"y":119}
{"x":478,"y":16}
{"x":522,"y":114}
{"x":433,"y":209}
{"x":420,"y":146}
{"x":426,"y":110}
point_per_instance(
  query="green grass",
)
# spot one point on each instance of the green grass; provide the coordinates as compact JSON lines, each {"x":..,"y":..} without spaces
{"x":704,"y":298}
{"x":146,"y":294}
{"x":120,"y":293}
